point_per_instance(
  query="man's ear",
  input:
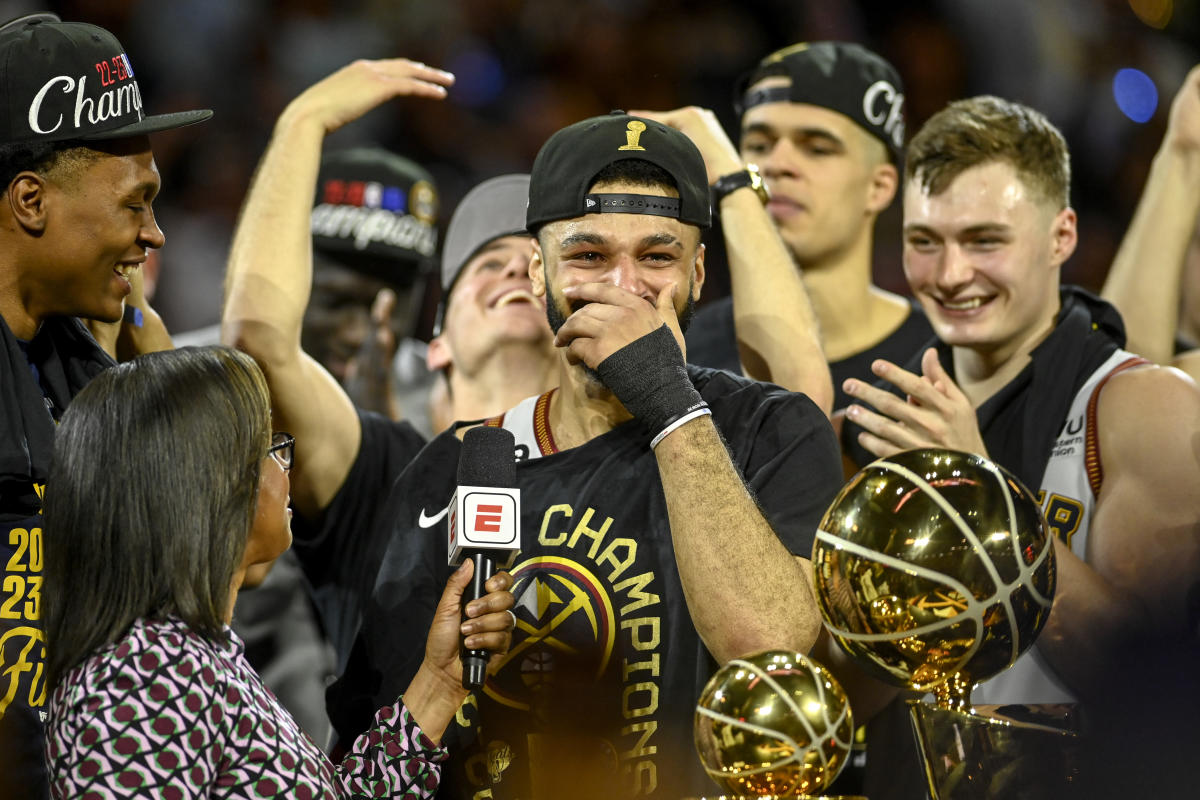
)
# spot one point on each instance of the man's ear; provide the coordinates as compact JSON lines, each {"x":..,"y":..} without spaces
{"x":437,"y":355}
{"x":26,"y":196}
{"x":1065,"y":236}
{"x":885,"y":179}
{"x":537,"y":272}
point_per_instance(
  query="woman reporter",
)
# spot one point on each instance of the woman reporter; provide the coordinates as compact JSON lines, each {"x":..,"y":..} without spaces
{"x":166,"y":486}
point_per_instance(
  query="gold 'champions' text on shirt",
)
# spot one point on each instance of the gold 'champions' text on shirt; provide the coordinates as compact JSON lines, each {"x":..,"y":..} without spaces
{"x":22,"y":648}
{"x":581,"y":596}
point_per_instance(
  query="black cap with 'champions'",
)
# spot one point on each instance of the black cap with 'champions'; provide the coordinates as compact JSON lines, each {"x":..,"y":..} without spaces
{"x":376,"y":213}
{"x":71,"y":80}
{"x":569,"y":161}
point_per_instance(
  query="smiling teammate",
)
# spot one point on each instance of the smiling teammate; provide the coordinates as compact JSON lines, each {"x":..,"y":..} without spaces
{"x":1032,"y":374}
{"x":76,"y":222}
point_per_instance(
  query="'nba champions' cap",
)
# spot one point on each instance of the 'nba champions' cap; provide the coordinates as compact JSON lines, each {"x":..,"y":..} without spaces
{"x":376,"y":213}
{"x":841,"y":76}
{"x":71,"y":80}
{"x":569,"y":161}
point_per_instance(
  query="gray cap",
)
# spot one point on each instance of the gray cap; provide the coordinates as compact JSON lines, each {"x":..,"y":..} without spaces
{"x":493,"y":209}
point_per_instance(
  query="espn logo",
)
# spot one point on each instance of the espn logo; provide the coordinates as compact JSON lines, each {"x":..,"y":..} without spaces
{"x":485,"y":518}
{"x":489,"y":518}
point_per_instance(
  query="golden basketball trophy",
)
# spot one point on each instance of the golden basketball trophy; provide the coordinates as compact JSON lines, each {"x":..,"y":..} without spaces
{"x":773,"y":724}
{"x":935,"y":571}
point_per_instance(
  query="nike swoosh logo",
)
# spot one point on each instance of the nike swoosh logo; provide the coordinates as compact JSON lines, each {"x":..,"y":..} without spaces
{"x":426,"y":521}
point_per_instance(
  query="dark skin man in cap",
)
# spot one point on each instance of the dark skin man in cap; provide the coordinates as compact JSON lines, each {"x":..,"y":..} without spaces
{"x":75,"y":226}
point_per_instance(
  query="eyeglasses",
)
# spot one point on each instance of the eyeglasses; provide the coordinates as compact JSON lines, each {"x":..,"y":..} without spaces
{"x":283,"y":449}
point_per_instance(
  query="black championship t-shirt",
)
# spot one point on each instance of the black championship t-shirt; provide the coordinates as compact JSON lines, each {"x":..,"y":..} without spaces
{"x":22,"y":645}
{"x":37,"y":381}
{"x":597,"y":694}
{"x":712,"y":342}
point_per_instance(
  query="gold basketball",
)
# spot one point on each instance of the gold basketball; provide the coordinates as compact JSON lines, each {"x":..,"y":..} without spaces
{"x":934,"y":570}
{"x":773,"y":723}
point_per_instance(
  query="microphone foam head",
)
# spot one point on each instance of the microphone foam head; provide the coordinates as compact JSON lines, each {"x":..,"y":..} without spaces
{"x":487,"y":458}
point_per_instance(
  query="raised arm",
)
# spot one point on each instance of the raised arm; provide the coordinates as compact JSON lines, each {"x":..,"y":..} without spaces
{"x":1145,"y":277}
{"x":777,"y":334}
{"x":269,"y":275}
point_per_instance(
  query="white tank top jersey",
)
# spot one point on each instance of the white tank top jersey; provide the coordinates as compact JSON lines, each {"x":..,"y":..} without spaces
{"x":1067,"y":497}
{"x":529,"y":423}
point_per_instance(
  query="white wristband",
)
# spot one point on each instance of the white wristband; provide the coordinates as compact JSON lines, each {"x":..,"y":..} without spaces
{"x":688,"y":417}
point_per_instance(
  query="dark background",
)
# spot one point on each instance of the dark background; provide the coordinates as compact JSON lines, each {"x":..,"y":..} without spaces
{"x":527,"y":68}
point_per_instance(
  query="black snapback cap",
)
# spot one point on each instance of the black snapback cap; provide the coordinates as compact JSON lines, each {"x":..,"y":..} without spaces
{"x":376,"y":213}
{"x":841,"y":76}
{"x":569,"y":161}
{"x":71,"y":80}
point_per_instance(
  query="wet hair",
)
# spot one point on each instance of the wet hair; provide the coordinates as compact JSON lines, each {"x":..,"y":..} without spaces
{"x":151,"y":497}
{"x":979,"y":130}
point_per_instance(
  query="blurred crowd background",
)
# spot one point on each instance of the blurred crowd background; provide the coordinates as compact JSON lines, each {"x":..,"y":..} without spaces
{"x":1104,"y":71}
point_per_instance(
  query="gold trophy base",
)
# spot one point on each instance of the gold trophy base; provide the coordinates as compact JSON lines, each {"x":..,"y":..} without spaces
{"x":1028,"y":752}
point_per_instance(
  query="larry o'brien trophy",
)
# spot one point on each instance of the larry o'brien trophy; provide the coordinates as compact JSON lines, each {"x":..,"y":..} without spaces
{"x":774,"y":724}
{"x":934,"y":570}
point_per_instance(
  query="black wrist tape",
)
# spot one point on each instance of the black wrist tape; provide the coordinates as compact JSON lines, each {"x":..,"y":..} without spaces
{"x":650,"y":379}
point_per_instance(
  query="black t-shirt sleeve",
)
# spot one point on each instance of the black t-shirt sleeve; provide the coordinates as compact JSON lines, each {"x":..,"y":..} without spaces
{"x":787,"y":452}
{"x":339,"y":550}
{"x":384,"y":451}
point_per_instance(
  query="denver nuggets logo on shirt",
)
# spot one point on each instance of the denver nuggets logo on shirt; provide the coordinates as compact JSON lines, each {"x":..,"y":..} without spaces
{"x":565,"y":624}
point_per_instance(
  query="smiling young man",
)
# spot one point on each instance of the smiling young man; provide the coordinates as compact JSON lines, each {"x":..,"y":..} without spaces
{"x":493,"y":345}
{"x":666,"y":510}
{"x":1033,"y":375}
{"x":75,"y":225}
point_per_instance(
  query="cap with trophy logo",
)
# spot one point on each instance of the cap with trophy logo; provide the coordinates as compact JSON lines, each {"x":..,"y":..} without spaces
{"x":570,"y":160}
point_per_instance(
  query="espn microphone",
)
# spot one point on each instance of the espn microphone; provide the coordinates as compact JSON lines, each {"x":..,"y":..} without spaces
{"x":484,"y":521}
